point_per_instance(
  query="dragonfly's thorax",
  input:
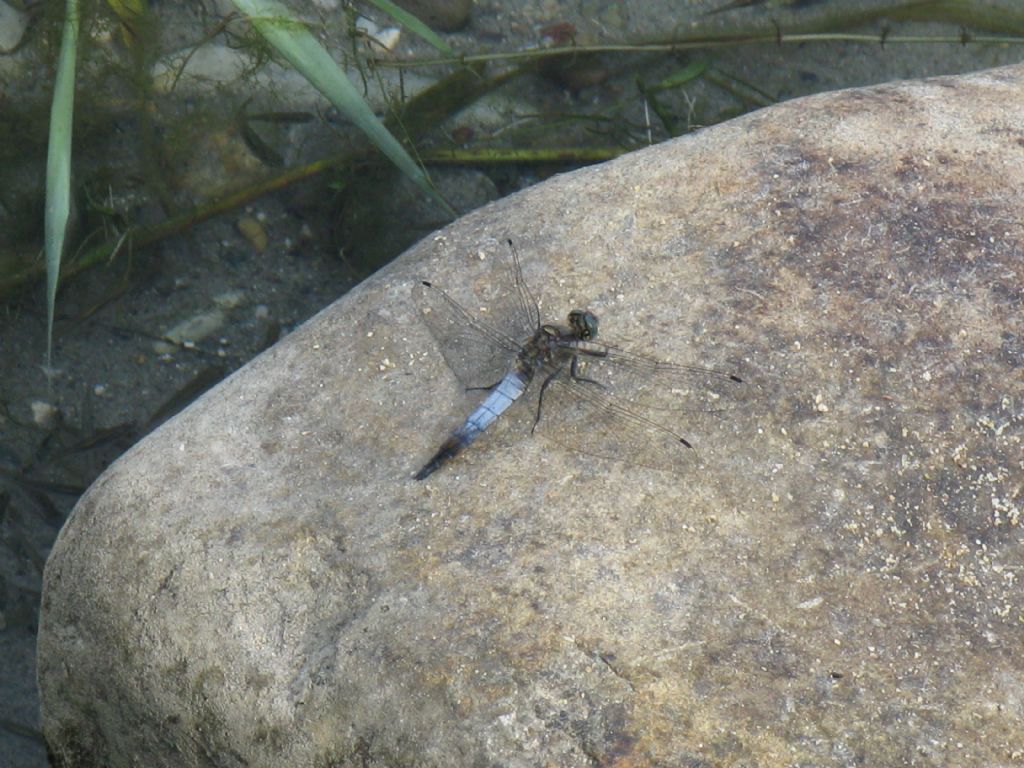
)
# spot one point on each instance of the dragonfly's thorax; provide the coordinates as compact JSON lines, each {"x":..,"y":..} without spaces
{"x":554,"y":345}
{"x":541,"y":348}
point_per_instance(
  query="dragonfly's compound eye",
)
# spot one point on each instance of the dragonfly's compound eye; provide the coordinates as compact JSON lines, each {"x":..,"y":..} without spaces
{"x":583,"y":324}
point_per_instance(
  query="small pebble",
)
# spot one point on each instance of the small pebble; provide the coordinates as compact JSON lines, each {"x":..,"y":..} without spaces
{"x":44,"y":414}
{"x":251,"y":229}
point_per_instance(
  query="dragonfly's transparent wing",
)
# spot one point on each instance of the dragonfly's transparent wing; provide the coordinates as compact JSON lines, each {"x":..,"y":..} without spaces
{"x":481,"y":347}
{"x":478,"y":354}
{"x":637,"y":409}
{"x":587,"y":419}
{"x":650,"y":384}
{"x":526,"y":314}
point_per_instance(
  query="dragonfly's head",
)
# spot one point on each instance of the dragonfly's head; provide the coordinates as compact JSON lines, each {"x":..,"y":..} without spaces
{"x":583,"y":324}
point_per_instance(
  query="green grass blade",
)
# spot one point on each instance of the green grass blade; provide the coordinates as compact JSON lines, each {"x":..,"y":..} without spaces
{"x":58,"y":164}
{"x":414,"y":25}
{"x":295,"y":43}
{"x":682,"y":77}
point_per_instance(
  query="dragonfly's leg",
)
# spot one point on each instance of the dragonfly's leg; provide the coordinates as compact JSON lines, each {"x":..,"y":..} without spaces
{"x":487,"y":389}
{"x":540,"y":397}
{"x":574,"y":373}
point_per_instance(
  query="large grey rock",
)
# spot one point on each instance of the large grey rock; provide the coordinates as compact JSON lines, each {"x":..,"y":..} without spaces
{"x":260,"y":582}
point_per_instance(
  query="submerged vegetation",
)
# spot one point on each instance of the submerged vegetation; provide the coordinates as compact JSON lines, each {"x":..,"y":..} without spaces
{"x":175,"y":114}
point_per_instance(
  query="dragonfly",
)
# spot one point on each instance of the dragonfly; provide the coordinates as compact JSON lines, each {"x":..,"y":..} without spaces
{"x":593,"y":396}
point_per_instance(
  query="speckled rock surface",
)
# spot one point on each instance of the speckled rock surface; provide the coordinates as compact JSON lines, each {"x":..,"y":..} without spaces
{"x":260,"y":582}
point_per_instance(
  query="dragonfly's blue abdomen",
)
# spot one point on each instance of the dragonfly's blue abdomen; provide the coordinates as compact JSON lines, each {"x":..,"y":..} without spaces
{"x":496,"y":403}
{"x":506,"y":392}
